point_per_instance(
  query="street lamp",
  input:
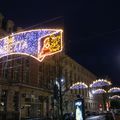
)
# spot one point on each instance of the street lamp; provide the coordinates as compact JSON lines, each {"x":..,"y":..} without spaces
{"x":58,"y":89}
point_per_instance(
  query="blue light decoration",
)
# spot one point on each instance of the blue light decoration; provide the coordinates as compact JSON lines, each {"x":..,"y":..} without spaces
{"x":115,"y":97}
{"x":79,"y":85}
{"x":98,"y":91}
{"x":37,"y":43}
{"x":114,"y":90}
{"x":100,"y":83}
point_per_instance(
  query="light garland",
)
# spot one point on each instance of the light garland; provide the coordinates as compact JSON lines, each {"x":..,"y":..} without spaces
{"x":114,"y":89}
{"x":79,"y":85}
{"x":115,"y":97}
{"x":99,"y":91}
{"x":100,"y":83}
{"x":38,"y":43}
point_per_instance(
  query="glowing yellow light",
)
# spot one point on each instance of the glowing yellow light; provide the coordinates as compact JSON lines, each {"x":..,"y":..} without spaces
{"x":52,"y":45}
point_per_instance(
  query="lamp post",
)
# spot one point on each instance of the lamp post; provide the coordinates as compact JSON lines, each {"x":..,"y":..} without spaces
{"x":58,"y":96}
{"x":61,"y":100}
{"x":60,"y":81}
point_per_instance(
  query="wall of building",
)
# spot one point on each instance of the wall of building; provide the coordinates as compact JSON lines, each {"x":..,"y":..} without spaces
{"x":74,"y":73}
{"x":32,"y":82}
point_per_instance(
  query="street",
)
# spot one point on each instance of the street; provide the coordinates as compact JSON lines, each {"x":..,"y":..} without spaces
{"x":99,"y":117}
{"x":103,"y":117}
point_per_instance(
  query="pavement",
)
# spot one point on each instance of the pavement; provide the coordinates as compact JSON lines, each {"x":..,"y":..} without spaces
{"x":99,"y":117}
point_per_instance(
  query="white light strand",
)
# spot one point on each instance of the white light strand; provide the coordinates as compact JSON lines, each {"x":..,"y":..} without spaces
{"x":115,"y":97}
{"x":105,"y":82}
{"x":79,"y":85}
{"x":99,"y":91}
{"x":114,"y":89}
{"x":33,"y":42}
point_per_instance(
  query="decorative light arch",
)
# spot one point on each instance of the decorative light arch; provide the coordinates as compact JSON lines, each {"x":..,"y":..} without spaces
{"x":115,"y":97}
{"x":114,"y":89}
{"x":100,"y":83}
{"x":37,"y":43}
{"x":79,"y":85}
{"x":98,"y":91}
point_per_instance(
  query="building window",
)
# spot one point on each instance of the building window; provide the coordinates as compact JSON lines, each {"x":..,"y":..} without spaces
{"x":16,"y":74}
{"x":16,"y":101}
{"x":40,"y":67}
{"x":26,"y":70}
{"x":26,"y":76}
{"x":5,"y":73}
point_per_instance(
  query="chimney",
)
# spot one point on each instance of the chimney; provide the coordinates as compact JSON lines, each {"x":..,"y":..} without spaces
{"x":1,"y":19}
{"x":19,"y":29}
{"x":10,"y":25}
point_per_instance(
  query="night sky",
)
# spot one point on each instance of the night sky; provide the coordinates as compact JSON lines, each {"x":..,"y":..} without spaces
{"x":91,"y":29}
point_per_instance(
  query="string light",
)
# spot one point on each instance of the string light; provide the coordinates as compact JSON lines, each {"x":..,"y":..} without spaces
{"x":79,"y":85}
{"x":100,"y":83}
{"x":115,"y":97}
{"x":114,"y":89}
{"x":99,"y":91}
{"x":37,"y":43}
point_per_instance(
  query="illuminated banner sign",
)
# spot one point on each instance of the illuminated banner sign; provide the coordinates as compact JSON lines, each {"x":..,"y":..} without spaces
{"x":79,"y":109}
{"x":37,"y":43}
